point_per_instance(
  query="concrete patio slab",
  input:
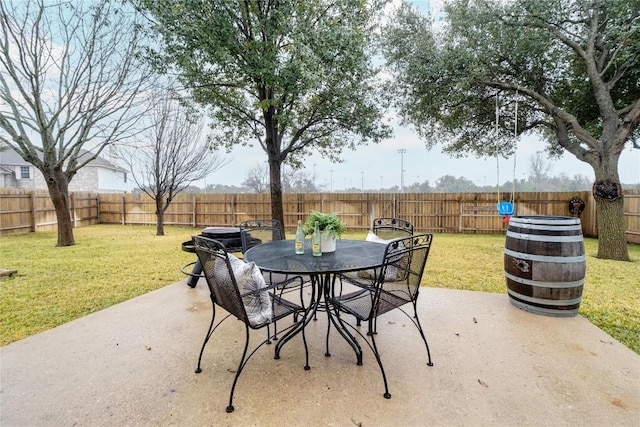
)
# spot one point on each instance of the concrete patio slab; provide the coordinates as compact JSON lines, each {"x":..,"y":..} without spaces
{"x":133,"y":364}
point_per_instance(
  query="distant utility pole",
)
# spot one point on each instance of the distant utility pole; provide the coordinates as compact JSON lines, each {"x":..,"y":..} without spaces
{"x":402,"y":151}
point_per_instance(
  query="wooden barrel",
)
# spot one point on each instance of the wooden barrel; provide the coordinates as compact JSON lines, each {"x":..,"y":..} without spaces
{"x":544,"y":264}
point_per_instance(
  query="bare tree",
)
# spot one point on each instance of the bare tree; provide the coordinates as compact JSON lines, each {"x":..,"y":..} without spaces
{"x":257,"y":179}
{"x":293,"y":180}
{"x":296,"y":181}
{"x":171,"y":157}
{"x":69,"y":84}
{"x":539,"y":169}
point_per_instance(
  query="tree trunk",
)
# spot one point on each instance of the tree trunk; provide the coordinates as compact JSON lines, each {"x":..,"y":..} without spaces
{"x":275,"y":186}
{"x":274,"y":156}
{"x":58,"y":186}
{"x":159,"y":217}
{"x":607,"y":191}
{"x":612,"y":241}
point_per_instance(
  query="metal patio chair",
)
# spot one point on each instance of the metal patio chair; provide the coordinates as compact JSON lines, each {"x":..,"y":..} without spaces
{"x":239,"y":288}
{"x":397,"y":284}
{"x":258,"y":231}
{"x":391,"y":228}
{"x":382,"y":231}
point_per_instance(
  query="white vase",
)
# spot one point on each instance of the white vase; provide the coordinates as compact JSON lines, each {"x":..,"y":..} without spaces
{"x":327,"y":243}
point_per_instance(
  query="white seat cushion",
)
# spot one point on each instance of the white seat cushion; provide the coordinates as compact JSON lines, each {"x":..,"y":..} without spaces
{"x":391,"y":273}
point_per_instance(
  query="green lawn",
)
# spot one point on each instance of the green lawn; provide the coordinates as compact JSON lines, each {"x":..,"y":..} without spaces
{"x":113,"y":263}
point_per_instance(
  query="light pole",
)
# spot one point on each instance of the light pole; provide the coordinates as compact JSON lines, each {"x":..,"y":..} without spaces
{"x":402,"y":151}
{"x":362,"y":181}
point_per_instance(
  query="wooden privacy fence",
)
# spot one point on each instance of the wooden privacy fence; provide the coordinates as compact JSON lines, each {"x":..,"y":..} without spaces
{"x":24,"y":211}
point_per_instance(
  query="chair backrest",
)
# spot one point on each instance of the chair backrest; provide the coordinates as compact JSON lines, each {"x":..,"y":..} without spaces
{"x":391,"y":228}
{"x":259,"y":231}
{"x":218,"y":272}
{"x":405,"y":259}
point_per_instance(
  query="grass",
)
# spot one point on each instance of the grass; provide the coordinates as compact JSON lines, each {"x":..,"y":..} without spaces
{"x":109,"y":264}
{"x":113,"y":263}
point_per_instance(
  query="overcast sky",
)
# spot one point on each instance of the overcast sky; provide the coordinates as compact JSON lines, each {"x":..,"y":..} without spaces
{"x":379,"y":166}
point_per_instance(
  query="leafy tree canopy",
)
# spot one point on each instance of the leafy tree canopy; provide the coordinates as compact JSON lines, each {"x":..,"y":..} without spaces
{"x":293,"y":75}
{"x":573,"y":66}
{"x":568,"y":70}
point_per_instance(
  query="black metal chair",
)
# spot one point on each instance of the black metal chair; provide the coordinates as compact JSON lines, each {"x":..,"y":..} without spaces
{"x":258,"y":231}
{"x":382,"y":230}
{"x":239,"y":288}
{"x":397,"y":284}
{"x":391,"y":228}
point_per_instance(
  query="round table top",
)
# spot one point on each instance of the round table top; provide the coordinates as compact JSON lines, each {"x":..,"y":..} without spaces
{"x":351,"y":255}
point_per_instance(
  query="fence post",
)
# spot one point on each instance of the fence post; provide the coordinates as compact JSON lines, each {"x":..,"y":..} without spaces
{"x":234,"y":219}
{"x":72,"y":206}
{"x":122,"y":218}
{"x":33,"y":211}
{"x":396,"y":206}
{"x":372,"y":214}
{"x":193,"y":210}
{"x":98,"y":207}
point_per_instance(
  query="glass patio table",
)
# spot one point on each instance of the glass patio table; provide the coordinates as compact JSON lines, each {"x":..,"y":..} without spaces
{"x":350,"y":255}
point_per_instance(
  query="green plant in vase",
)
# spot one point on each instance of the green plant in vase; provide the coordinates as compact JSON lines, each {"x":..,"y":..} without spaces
{"x":330,"y":225}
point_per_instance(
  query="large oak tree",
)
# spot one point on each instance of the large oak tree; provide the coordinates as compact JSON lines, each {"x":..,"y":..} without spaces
{"x":292,"y":75}
{"x":573,"y":66}
{"x":70,"y":85}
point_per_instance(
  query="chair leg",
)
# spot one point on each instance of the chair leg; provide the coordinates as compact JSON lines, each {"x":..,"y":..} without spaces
{"x":206,"y":338}
{"x":372,"y":345}
{"x":424,"y":339}
{"x":386,"y":394}
{"x":306,"y":349}
{"x":230,"y":408}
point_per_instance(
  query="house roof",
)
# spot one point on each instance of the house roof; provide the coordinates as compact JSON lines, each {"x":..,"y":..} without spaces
{"x":9,"y":157}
